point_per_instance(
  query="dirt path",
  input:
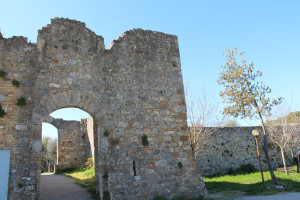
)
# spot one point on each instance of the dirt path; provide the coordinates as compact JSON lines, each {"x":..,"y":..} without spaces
{"x":59,"y":187}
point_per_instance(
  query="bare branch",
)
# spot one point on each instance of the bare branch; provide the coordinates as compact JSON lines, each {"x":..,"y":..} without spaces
{"x":204,"y":118}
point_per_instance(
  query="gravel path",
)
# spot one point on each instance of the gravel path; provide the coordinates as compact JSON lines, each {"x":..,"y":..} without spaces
{"x":284,"y":196}
{"x":58,"y":187}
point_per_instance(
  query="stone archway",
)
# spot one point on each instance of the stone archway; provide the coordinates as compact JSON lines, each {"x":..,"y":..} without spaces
{"x":77,"y":99}
{"x":133,"y":90}
{"x":75,"y":142}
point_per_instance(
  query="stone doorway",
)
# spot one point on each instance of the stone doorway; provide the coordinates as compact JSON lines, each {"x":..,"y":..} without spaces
{"x":74,"y":137}
{"x":76,"y":140}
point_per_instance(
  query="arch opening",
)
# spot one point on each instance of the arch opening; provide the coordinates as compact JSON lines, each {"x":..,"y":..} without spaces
{"x":75,"y":141}
{"x":49,"y":148}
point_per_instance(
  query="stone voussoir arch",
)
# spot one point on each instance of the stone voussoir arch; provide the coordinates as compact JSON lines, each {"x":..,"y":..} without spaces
{"x":72,"y":98}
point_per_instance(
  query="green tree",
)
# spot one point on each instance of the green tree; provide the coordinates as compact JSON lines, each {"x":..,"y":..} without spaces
{"x":231,"y":123}
{"x":245,"y":96}
{"x":48,"y":151}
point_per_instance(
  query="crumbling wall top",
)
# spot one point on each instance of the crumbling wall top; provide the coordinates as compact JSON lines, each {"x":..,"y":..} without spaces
{"x":67,"y":34}
{"x":136,"y":36}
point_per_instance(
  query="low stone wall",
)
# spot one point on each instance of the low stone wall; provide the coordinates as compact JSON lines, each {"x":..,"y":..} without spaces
{"x":233,"y":147}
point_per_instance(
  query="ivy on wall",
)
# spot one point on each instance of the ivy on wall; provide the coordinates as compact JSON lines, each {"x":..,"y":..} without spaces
{"x":2,"y":112}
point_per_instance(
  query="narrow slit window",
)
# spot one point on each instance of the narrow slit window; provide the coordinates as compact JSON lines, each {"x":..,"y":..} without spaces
{"x":134,"y":168}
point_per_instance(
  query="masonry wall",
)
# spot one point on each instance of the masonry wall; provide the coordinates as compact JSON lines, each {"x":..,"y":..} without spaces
{"x":19,"y":60}
{"x":133,"y":88}
{"x":232,"y":147}
{"x":88,"y":130}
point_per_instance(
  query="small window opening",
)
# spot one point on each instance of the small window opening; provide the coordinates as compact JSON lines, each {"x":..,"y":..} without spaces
{"x":134,"y":168}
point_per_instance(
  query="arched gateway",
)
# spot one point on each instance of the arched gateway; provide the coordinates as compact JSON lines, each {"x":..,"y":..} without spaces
{"x":133,"y":89}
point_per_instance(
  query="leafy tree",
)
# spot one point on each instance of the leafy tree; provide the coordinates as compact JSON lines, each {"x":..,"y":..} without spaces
{"x":245,"y":96}
{"x":48,"y":151}
{"x":231,"y":123}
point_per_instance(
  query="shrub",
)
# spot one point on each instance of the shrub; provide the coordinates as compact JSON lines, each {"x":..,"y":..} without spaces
{"x":89,"y":163}
{"x":106,"y":133}
{"x":180,"y":165}
{"x":65,"y":170}
{"x":2,"y":112}
{"x":145,"y":140}
{"x":21,"y":101}
{"x":248,"y":168}
{"x":105,"y":176}
{"x":159,"y":197}
{"x":2,"y":73}
{"x":243,"y":169}
{"x":106,"y":195}
{"x":185,"y":198}
{"x":15,"y":83}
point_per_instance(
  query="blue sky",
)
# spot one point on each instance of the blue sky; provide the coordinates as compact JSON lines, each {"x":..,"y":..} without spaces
{"x":269,"y":31}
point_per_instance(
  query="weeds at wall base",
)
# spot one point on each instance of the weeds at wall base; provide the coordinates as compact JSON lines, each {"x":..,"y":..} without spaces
{"x":160,"y":197}
{"x":106,"y":195}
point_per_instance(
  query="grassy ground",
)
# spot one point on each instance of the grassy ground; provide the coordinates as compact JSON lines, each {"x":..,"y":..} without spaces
{"x":230,"y":185}
{"x":251,"y":184}
{"x":84,"y":177}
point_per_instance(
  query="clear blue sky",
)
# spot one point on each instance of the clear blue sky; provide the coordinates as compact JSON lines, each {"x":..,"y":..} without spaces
{"x":269,"y":31}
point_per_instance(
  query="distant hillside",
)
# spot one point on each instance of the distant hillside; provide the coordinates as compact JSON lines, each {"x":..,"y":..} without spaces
{"x":293,"y":117}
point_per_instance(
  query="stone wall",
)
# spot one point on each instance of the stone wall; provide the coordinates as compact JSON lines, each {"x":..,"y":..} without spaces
{"x":88,"y":129}
{"x":233,"y":147}
{"x":133,"y":88}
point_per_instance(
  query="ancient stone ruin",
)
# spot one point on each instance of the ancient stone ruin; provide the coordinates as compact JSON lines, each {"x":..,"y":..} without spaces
{"x":134,"y":92}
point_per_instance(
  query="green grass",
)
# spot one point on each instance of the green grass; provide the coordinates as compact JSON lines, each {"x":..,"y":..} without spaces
{"x":84,"y":177}
{"x":251,"y":183}
{"x":248,"y":184}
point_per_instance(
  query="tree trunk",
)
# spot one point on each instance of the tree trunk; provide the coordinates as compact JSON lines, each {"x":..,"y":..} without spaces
{"x":283,"y":160}
{"x":292,"y":153}
{"x":48,"y":166}
{"x":274,"y":179}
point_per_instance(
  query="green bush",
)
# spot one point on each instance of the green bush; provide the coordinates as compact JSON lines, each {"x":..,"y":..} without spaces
{"x":243,"y":169}
{"x":180,"y":165}
{"x":2,"y":112}
{"x":106,"y":133}
{"x":184,"y":198}
{"x":2,"y":73}
{"x":248,"y":168}
{"x":89,"y":163}
{"x":105,"y":176}
{"x":15,"y":83}
{"x":65,"y":170}
{"x":106,"y":195}
{"x":21,"y":101}
{"x":159,"y":197}
{"x":145,"y":140}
